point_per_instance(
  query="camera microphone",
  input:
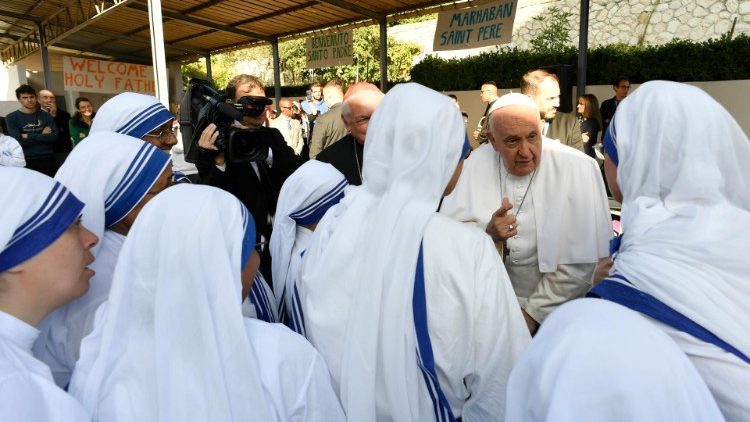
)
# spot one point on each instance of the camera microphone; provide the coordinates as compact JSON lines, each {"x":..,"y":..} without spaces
{"x":230,"y":111}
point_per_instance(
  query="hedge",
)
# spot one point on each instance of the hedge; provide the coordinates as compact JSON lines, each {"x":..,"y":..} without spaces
{"x":682,"y":61}
{"x":299,"y":91}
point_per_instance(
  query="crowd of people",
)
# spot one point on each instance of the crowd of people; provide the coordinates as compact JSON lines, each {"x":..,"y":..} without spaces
{"x":378,"y":264}
{"x":39,"y":135}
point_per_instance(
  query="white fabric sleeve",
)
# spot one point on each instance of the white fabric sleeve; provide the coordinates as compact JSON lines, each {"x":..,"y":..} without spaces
{"x":500,"y":336}
{"x":316,"y":400}
{"x":570,"y":281}
{"x":22,"y":398}
{"x":11,"y":152}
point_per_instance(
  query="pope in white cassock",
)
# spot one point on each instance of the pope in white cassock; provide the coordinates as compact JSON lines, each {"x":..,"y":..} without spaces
{"x":543,"y":203}
{"x":412,"y":311}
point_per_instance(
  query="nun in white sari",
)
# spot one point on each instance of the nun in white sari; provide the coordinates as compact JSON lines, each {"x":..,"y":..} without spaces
{"x":171,"y":344}
{"x":137,"y":115}
{"x":144,"y":117}
{"x":413,"y":312}
{"x":304,"y":198}
{"x":44,"y":252}
{"x":594,"y":361}
{"x":115,"y":175}
{"x":679,"y":162}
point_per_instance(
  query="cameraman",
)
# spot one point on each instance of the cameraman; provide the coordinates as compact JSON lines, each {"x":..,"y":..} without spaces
{"x":256,"y":184}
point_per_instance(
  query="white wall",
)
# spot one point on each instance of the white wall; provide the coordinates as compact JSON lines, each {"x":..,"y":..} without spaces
{"x":732,"y":95}
{"x":11,"y":77}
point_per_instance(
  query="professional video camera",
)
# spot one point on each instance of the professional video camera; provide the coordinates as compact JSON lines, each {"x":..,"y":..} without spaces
{"x":203,"y":104}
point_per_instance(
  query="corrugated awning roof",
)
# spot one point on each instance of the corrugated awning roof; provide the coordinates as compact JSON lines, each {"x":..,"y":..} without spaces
{"x":119,"y":29}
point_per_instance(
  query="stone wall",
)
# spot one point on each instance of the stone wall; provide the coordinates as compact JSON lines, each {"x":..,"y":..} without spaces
{"x":649,"y":22}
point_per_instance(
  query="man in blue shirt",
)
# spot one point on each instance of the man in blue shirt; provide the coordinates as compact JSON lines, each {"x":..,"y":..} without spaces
{"x":314,"y":107}
{"x":35,"y":130}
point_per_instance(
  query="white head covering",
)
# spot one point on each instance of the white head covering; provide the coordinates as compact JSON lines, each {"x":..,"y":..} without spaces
{"x":686,"y":205}
{"x":594,"y":360}
{"x":171,"y":344}
{"x":36,"y":211}
{"x":131,"y":114}
{"x":304,"y":198}
{"x":357,"y":276}
{"x":513,"y":98}
{"x":111,"y":173}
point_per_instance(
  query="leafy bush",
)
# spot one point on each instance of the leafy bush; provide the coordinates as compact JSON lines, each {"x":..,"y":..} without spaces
{"x":682,"y":61}
{"x":555,"y":31}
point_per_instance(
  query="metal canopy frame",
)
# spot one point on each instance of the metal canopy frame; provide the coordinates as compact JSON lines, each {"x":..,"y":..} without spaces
{"x":55,"y":27}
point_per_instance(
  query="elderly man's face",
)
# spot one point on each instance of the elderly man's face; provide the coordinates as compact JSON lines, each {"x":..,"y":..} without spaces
{"x":515,"y":132}
{"x":46,"y":98}
{"x":361,"y":106}
{"x":548,"y":98}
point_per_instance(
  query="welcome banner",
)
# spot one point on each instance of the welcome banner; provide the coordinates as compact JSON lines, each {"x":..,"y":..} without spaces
{"x":91,"y":75}
{"x":478,"y":26}
{"x":330,"y":50}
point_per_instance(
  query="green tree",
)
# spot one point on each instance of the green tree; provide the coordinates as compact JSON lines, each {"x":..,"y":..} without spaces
{"x":292,"y":62}
{"x":366,"y":47}
{"x":225,"y":65}
{"x":554,"y":31}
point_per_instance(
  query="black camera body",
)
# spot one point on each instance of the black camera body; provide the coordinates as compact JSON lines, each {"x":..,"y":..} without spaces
{"x":203,"y":105}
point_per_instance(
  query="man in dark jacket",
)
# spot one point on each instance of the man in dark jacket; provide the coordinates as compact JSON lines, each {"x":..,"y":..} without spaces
{"x":62,"y":145}
{"x":621,"y":87}
{"x":256,"y":184}
{"x":347,"y":153}
{"x":544,"y":88}
{"x":35,"y":130}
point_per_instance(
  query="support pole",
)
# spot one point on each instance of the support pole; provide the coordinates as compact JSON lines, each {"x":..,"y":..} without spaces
{"x":383,"y":54}
{"x":276,"y":71}
{"x":209,"y":72}
{"x":158,"y":55}
{"x":583,"y":49}
{"x":45,"y":57}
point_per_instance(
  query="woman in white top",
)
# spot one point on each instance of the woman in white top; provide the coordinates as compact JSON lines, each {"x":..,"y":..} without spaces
{"x":171,"y":343}
{"x":44,"y":258}
{"x":115,"y":175}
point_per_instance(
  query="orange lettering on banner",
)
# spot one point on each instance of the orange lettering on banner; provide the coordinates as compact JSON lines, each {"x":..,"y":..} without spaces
{"x":98,"y":75}
{"x":77,"y":64}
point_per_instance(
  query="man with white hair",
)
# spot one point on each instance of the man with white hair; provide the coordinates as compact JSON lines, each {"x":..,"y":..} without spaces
{"x":543,"y":204}
{"x":63,"y":145}
{"x":328,"y":127}
{"x":347,"y":153}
